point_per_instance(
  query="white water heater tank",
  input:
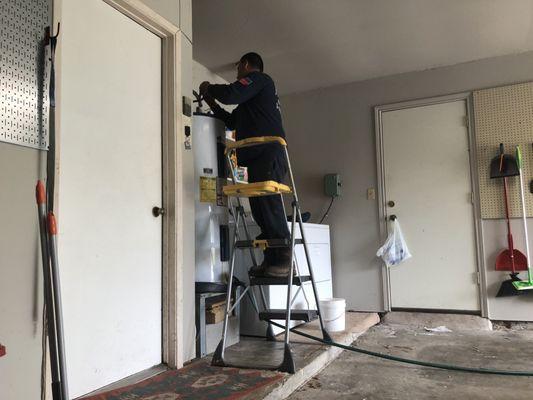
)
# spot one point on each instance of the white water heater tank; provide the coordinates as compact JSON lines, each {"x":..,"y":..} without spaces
{"x":211,"y":262}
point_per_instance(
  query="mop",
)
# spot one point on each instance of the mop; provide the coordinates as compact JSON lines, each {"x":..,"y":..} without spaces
{"x":524,"y":285}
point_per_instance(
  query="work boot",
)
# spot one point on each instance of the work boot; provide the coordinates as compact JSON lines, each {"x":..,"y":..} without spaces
{"x":278,"y":271}
{"x":281,"y":266}
{"x":258,"y":270}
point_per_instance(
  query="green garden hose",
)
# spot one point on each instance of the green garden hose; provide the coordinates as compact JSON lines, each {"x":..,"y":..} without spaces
{"x":448,"y":367}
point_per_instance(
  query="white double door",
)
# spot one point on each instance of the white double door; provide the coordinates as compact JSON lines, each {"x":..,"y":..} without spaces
{"x":428,"y":187}
{"x":110,"y":244}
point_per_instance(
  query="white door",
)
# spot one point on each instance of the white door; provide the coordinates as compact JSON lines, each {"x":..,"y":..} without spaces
{"x":110,"y":245}
{"x":427,"y":176}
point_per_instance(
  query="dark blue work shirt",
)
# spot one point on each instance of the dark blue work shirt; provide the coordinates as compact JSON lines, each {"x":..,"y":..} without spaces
{"x":257,"y":114}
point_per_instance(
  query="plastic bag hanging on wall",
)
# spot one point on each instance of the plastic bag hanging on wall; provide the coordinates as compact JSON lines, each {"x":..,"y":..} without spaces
{"x":394,"y":251}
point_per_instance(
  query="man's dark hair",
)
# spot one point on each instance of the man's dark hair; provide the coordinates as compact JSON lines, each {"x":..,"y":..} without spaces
{"x":254,"y":60}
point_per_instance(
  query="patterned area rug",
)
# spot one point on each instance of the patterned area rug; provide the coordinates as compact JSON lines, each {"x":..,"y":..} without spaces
{"x":198,"y":381}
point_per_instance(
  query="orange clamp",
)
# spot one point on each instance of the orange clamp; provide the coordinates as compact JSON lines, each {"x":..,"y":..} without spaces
{"x":52,"y":226}
{"x":40,"y":192}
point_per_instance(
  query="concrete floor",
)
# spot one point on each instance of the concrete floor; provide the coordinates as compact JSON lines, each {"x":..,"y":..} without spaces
{"x":355,"y":376}
{"x":309,"y":356}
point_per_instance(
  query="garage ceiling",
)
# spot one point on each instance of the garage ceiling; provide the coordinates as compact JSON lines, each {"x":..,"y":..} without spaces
{"x":307,"y":44}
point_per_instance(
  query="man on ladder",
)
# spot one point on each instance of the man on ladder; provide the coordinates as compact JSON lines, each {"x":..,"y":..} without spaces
{"x":262,"y":148}
{"x":257,"y":114}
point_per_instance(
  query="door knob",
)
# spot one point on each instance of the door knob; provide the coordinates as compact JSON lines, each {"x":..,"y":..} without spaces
{"x":157,"y":211}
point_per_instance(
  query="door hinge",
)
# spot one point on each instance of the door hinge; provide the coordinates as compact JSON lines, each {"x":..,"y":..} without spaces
{"x":466,"y":122}
{"x":477,"y":278}
{"x":472,"y":197}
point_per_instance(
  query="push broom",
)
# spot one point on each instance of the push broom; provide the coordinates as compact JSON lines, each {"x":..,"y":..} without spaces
{"x":524,"y":285}
{"x":510,"y":259}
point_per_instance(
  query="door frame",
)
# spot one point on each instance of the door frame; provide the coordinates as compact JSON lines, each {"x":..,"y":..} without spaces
{"x":173,"y":183}
{"x":474,"y":180}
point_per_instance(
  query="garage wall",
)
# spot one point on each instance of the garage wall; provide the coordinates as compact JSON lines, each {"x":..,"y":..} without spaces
{"x":21,"y":294}
{"x":331,"y":130}
{"x":201,"y":73}
{"x":20,"y":269}
{"x":21,"y":291}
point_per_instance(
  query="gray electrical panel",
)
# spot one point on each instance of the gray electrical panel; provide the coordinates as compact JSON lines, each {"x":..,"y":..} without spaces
{"x":332,"y":185}
{"x":23,"y":72}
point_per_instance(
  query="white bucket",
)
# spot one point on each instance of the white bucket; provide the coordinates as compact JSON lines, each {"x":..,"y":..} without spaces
{"x":333,"y":314}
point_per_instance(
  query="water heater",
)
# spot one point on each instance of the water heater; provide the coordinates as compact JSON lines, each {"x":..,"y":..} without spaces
{"x":211,"y":217}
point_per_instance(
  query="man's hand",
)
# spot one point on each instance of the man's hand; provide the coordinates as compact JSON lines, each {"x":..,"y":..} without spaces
{"x":203,"y":88}
{"x":210,"y":101}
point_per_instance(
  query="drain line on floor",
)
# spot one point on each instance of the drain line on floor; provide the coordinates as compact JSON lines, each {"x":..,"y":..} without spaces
{"x":449,"y":367}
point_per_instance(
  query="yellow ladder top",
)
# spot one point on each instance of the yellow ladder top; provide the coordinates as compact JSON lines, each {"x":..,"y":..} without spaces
{"x":254,"y":141}
{"x":256,"y":189}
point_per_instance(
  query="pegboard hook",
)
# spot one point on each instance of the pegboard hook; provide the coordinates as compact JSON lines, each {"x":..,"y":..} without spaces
{"x":48,"y":37}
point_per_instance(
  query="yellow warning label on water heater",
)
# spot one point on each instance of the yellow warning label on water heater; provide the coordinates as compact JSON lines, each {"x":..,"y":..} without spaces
{"x":208,"y":189}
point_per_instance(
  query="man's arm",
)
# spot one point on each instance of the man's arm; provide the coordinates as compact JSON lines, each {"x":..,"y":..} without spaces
{"x":219,"y":112}
{"x":237,"y":92}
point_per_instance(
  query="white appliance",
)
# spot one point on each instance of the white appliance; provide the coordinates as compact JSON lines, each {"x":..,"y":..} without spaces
{"x":211,"y":226}
{"x":210,"y":214}
{"x":318,"y":240}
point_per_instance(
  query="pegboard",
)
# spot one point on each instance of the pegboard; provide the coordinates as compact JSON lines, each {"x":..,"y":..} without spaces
{"x":23,"y":72}
{"x":504,"y":115}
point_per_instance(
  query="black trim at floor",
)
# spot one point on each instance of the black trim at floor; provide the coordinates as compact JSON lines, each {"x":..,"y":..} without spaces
{"x":437,"y":311}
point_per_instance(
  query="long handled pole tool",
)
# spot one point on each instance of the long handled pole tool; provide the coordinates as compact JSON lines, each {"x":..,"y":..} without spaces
{"x":52,"y":293}
{"x":510,"y":258}
{"x":524,"y":285}
{"x":51,"y":40}
{"x":48,"y":293}
{"x":54,"y":268}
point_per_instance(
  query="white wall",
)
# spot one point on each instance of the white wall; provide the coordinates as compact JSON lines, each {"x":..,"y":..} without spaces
{"x":20,"y":269}
{"x":189,"y":328}
{"x":21,"y":294}
{"x":517,"y":308}
{"x":331,"y":130}
{"x":201,"y":74}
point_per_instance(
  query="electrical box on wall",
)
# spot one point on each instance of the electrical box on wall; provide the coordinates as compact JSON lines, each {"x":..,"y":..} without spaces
{"x":186,"y":109}
{"x":332,"y":185}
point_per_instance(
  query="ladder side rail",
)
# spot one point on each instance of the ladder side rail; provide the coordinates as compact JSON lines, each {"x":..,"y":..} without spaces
{"x":296,"y":295}
{"x":228,"y":294}
{"x":247,"y":233}
{"x":240,"y":210}
{"x":235,"y":211}
{"x":303,"y":283}
{"x":289,"y":284}
{"x":297,"y":214}
{"x":252,"y":254}
{"x":236,"y":236}
{"x":239,"y":299}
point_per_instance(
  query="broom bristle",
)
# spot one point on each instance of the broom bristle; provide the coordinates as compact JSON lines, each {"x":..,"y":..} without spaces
{"x":508,"y":289}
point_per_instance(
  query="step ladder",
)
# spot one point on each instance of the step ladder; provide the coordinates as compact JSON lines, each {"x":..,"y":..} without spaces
{"x":234,"y":192}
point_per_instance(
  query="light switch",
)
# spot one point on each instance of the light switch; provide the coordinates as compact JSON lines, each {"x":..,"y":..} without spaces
{"x":371,"y":194}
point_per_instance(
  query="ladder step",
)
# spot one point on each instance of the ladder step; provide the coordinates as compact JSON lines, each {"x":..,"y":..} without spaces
{"x":247,"y":244}
{"x":296,"y":315}
{"x":256,"y":189}
{"x":266,"y":280}
{"x":255,"y":141}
